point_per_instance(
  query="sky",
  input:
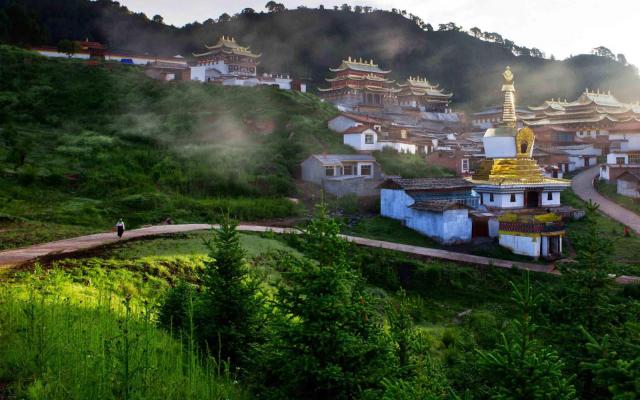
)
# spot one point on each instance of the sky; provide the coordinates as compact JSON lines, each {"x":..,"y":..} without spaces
{"x":558,"y":27}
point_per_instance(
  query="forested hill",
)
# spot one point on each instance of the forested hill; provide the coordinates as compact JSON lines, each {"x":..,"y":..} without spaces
{"x":306,"y":42}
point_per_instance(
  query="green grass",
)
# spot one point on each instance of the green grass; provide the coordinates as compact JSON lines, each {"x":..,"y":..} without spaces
{"x":610,"y":191}
{"x":25,"y":233}
{"x":64,"y":339}
{"x":85,"y":145}
{"x":190,"y":245}
{"x":626,"y":249}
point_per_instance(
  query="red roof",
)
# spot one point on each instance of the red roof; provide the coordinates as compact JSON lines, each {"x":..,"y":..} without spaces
{"x":357,"y":129}
{"x":90,"y":45}
{"x":362,"y":118}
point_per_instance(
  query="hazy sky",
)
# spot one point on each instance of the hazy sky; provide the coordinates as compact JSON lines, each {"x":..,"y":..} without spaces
{"x":558,"y":27}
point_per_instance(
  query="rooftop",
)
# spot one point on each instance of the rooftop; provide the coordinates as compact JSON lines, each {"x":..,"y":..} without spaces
{"x":331,"y":159}
{"x":426,"y":184}
{"x":358,"y":129}
{"x":438,"y":205}
{"x":359,"y":65}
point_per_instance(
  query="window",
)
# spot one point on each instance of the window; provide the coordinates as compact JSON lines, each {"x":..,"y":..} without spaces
{"x":348,"y":169}
{"x":368,"y":139}
{"x":365,"y":170}
{"x":465,"y":165}
{"x":490,"y":197}
{"x":620,"y":160}
{"x":549,"y":196}
{"x":329,"y":171}
{"x":513,"y":198}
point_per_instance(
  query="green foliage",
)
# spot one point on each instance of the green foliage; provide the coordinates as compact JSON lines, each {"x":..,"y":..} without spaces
{"x":408,"y":165}
{"x":326,"y":339}
{"x":317,"y":39}
{"x":58,"y":344}
{"x":521,"y":367}
{"x":620,"y":375}
{"x":228,"y":311}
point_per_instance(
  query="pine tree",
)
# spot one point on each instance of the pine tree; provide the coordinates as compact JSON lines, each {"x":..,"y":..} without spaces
{"x":228,"y":312}
{"x":327,"y":340}
{"x":522,"y":368}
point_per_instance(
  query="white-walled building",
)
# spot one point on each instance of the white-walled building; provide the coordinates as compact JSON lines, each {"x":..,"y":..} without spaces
{"x":436,"y":207}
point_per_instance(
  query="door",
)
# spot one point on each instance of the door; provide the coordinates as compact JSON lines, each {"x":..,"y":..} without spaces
{"x":532,"y":199}
{"x":480,"y":228}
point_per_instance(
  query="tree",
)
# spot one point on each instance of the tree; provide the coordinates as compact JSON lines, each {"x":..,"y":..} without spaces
{"x":476,"y":32}
{"x":248,"y":11}
{"x":228,"y":311}
{"x":621,"y":376}
{"x":429,"y":28}
{"x":603,"y":52}
{"x":584,"y":301}
{"x":345,"y":7}
{"x":274,"y":7}
{"x":522,"y":368}
{"x":68,"y":47}
{"x":450,"y":26}
{"x":224,"y":17}
{"x":327,"y":341}
{"x":622,"y":59}
{"x":158,"y":19}
{"x":357,"y":9}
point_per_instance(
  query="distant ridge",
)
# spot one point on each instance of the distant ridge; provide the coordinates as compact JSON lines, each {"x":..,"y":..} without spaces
{"x":306,"y":42}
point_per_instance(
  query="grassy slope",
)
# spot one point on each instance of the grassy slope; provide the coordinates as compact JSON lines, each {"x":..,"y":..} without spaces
{"x":626,"y":254}
{"x":84,"y":145}
{"x":74,"y":318}
{"x":610,"y":191}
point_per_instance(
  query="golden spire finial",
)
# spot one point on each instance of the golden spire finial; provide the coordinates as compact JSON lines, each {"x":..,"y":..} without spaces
{"x":509,"y":104}
{"x":508,"y":76}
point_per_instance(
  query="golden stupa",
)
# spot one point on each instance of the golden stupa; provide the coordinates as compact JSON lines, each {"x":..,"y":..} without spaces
{"x":508,"y":150}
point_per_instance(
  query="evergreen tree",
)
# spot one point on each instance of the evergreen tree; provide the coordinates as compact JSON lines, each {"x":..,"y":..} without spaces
{"x":327,"y":340}
{"x":521,"y":367}
{"x":228,"y":312}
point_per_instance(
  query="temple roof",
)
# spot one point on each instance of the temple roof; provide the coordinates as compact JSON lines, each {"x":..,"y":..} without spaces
{"x":598,"y":118}
{"x":359,"y":66}
{"x":416,"y":86}
{"x":368,"y":77}
{"x":228,"y":45}
{"x":606,"y":102}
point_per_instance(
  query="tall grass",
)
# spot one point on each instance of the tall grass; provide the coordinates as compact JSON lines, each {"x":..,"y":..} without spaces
{"x":54,"y":346}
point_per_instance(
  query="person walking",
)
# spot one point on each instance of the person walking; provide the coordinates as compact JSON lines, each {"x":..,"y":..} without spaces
{"x":120,"y":228}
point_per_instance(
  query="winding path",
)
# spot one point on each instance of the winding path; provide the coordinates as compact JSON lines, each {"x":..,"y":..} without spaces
{"x":19,"y":256}
{"x":582,"y":185}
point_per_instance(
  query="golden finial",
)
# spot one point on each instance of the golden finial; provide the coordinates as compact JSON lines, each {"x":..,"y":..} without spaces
{"x":508,"y":75}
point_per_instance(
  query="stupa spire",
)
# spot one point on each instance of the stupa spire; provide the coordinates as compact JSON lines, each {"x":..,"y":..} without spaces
{"x":509,"y":104}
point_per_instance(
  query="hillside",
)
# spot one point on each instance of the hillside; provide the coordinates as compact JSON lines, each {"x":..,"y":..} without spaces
{"x":306,"y":42}
{"x":85,"y":145}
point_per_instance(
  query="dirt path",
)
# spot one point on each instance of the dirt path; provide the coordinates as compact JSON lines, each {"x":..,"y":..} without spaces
{"x":67,"y":246}
{"x":582,"y":185}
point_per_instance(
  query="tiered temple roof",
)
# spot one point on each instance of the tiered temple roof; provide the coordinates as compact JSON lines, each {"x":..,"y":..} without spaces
{"x":417,"y":86}
{"x":227,"y":45}
{"x":590,"y":109}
